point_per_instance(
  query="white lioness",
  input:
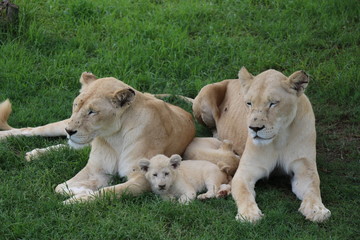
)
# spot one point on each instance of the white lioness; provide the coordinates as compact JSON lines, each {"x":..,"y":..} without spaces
{"x":172,"y":178}
{"x":271,"y":114}
{"x":123,"y":126}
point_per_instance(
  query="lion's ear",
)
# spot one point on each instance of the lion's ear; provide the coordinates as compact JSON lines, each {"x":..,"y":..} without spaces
{"x":175,"y":161}
{"x":245,"y":77}
{"x":298,"y":81}
{"x":124,"y":96}
{"x":86,"y":78}
{"x":144,"y":164}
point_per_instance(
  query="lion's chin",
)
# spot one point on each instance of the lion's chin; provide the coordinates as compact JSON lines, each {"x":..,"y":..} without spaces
{"x":77,"y":145}
{"x":258,"y":141}
{"x":159,"y":191}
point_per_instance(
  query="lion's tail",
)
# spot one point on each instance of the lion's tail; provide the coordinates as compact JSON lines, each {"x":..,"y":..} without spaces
{"x":186,"y":99}
{"x":5,"y":111}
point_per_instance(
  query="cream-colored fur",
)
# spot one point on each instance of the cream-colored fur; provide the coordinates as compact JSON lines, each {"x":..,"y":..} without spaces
{"x":218,"y":152}
{"x":172,"y":178}
{"x":122,"y":126}
{"x":49,"y":130}
{"x":39,"y":151}
{"x":271,"y":123}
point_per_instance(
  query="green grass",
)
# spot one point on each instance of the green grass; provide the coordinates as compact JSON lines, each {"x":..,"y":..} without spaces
{"x":177,"y":47}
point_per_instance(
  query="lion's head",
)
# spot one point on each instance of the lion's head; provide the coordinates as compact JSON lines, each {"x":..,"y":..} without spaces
{"x":271,"y":102}
{"x":160,"y":171}
{"x":97,"y":110}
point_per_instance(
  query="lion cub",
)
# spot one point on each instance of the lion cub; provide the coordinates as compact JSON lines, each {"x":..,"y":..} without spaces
{"x":172,"y":178}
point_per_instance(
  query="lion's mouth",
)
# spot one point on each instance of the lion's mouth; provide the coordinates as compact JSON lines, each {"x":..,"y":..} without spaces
{"x":261,"y":138}
{"x":77,"y":145}
{"x":81,"y":139}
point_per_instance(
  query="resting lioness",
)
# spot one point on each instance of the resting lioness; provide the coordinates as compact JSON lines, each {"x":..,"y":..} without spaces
{"x":123,"y":126}
{"x":271,"y":114}
{"x":172,"y":178}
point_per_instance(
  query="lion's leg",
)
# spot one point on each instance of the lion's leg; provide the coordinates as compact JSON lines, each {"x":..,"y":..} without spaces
{"x":212,"y":186}
{"x":183,"y":190}
{"x":187,"y":196}
{"x":84,"y":182}
{"x":243,"y":192}
{"x":95,"y":175}
{"x":136,"y":185}
{"x":207,"y":102}
{"x":306,"y":186}
{"x":40,"y":151}
{"x":213,"y":182}
{"x":50,"y":130}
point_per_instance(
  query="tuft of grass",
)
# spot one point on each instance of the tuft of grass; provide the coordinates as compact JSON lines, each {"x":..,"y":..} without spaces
{"x":176,"y":47}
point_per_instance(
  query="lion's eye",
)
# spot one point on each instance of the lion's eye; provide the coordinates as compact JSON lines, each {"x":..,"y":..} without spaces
{"x":91,"y":112}
{"x":166,"y":173}
{"x":155,"y":174}
{"x":248,"y":104}
{"x":273,"y":104}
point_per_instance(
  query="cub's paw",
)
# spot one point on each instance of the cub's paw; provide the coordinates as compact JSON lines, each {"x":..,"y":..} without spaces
{"x":184,"y":199}
{"x":251,"y":215}
{"x":224,"y":190}
{"x":314,"y":211}
{"x":205,"y":196}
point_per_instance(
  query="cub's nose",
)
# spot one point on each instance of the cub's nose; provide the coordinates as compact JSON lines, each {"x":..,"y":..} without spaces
{"x":70,"y":132}
{"x":162,"y":187}
{"x":256,"y":129}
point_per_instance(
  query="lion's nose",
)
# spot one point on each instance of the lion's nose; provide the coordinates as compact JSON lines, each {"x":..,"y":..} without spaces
{"x":256,"y":129}
{"x":70,"y":132}
{"x":162,"y":187}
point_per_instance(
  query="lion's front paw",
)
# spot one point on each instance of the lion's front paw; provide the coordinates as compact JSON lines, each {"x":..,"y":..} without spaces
{"x":314,"y":211}
{"x":64,"y":189}
{"x":79,"y":199}
{"x":251,"y":215}
{"x":32,"y":154}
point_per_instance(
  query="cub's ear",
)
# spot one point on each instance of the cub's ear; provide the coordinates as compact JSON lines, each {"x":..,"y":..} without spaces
{"x":175,"y":161}
{"x":144,"y":164}
{"x":86,"y":78}
{"x":245,"y":78}
{"x":298,"y":81}
{"x":123,"y":96}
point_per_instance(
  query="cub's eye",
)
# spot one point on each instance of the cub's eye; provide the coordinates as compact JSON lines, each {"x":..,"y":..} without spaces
{"x":166,"y":173}
{"x":249,"y":104}
{"x":155,"y":174}
{"x":273,"y":104}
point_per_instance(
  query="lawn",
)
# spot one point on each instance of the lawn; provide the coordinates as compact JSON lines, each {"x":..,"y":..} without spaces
{"x":176,"y":47}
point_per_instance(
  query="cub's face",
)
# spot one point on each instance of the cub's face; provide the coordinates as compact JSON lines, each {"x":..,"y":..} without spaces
{"x":97,"y":111}
{"x":161,"y":172}
{"x":271,"y":103}
{"x":160,"y":179}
